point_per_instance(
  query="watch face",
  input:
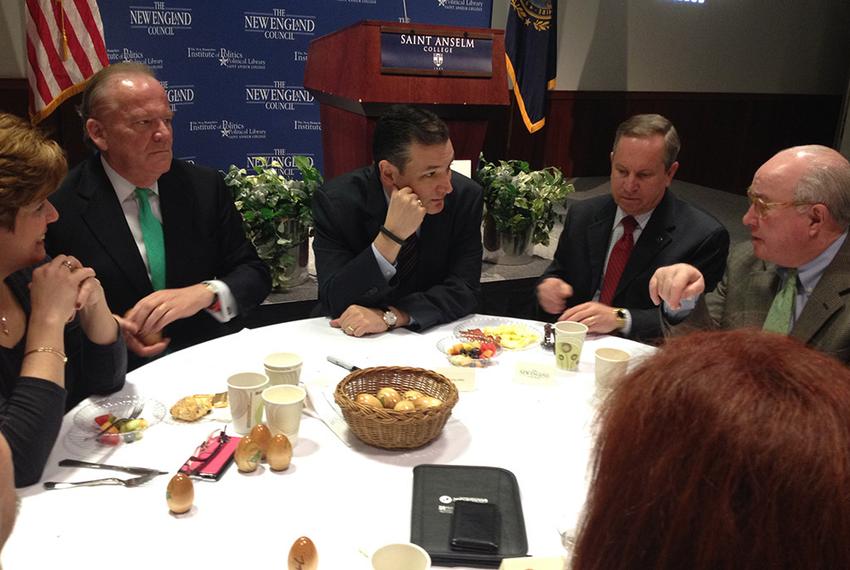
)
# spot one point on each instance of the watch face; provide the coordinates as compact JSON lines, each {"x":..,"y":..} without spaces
{"x":390,"y":318}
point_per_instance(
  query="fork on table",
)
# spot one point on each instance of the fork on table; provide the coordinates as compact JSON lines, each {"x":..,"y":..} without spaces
{"x":132,"y":482}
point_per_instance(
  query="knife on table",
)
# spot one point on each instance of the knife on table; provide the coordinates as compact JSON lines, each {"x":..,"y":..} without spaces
{"x":131,"y":470}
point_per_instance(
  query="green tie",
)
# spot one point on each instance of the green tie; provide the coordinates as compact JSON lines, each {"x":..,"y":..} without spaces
{"x":152,"y":236}
{"x":779,"y":316}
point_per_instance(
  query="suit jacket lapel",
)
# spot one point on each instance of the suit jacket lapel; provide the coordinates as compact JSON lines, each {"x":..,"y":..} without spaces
{"x":761,"y":288}
{"x":598,"y":236}
{"x":177,"y":205}
{"x":653,"y":238}
{"x":375,"y":204}
{"x":104,"y":217}
{"x":827,"y":297}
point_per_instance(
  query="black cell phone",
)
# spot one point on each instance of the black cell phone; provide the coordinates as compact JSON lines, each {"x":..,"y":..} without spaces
{"x":476,"y":527}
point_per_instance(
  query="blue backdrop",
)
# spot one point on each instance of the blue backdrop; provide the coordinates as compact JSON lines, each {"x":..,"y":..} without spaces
{"x":234,"y":70}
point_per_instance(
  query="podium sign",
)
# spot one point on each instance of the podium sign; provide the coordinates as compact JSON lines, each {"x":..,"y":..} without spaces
{"x":406,"y":51}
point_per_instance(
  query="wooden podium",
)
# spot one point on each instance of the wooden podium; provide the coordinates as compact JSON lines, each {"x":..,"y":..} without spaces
{"x":354,"y":83}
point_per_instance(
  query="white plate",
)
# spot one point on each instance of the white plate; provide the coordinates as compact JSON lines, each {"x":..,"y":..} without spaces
{"x":84,"y":431}
{"x":482,"y":322}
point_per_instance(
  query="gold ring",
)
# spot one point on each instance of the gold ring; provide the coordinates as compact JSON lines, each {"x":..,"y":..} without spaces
{"x":68,"y":264}
{"x":349,"y":329}
{"x":419,"y":202}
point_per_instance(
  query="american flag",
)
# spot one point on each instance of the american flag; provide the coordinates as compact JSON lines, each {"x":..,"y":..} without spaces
{"x":65,"y":47}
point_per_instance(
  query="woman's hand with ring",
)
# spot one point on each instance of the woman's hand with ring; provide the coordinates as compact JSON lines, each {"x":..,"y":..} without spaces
{"x":55,"y":290}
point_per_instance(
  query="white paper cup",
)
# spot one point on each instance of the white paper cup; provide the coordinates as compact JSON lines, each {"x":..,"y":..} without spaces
{"x":611,"y":365}
{"x":283,"y":368}
{"x":569,"y":338}
{"x":244,"y":392}
{"x":283,"y":409}
{"x":401,"y":556}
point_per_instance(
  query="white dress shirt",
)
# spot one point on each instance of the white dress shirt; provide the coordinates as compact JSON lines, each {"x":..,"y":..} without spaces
{"x":126,"y":193}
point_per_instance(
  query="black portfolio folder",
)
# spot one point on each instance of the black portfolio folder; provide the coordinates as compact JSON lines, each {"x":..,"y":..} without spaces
{"x":436,"y":488}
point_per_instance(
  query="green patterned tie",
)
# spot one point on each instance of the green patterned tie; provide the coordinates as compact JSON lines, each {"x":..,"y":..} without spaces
{"x":779,"y":316}
{"x":152,"y":236}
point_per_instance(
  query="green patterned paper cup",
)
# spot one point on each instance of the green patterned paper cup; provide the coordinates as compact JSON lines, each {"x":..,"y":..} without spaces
{"x":569,"y":338}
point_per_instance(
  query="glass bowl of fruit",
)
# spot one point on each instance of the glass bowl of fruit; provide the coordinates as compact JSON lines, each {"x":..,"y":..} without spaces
{"x":467,"y":352}
{"x":115,"y":420}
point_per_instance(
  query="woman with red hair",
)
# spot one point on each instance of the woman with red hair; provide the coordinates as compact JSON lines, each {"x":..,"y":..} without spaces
{"x":723,"y":451}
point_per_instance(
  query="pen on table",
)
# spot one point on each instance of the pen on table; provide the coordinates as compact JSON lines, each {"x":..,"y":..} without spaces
{"x":342,"y":363}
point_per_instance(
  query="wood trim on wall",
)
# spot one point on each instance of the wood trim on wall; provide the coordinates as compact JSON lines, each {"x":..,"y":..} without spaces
{"x":725,"y":136}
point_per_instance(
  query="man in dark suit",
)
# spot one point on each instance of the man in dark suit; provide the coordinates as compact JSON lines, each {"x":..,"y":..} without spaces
{"x":793,"y":276}
{"x":611,"y":245}
{"x":398,"y":243}
{"x":163,"y":235}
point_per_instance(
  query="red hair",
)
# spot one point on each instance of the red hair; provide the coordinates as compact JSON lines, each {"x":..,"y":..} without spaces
{"x":724,"y":450}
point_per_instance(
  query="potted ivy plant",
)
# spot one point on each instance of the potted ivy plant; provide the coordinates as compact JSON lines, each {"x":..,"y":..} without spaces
{"x":519,"y":207}
{"x":277,"y":216}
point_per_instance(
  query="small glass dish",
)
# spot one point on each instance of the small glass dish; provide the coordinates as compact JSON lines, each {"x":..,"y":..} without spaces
{"x":87,"y":429}
{"x":469,"y":353}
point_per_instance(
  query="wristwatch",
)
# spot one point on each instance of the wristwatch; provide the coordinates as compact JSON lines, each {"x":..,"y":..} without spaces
{"x":390,"y":319}
{"x":215,"y":306}
{"x":620,"y":315}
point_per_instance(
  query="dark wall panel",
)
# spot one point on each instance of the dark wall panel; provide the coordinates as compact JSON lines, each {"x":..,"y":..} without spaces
{"x":725,"y":137}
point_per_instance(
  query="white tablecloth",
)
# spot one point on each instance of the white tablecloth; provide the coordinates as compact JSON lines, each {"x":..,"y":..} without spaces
{"x":348,"y":500}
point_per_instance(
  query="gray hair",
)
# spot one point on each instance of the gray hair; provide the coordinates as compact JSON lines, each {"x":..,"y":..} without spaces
{"x":644,"y":126}
{"x":827,"y":182}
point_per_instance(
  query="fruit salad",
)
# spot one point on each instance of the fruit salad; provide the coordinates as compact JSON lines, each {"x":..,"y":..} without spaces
{"x":472,"y":352}
{"x":117,"y":429}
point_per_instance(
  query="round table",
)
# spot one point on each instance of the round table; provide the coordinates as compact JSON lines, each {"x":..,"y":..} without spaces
{"x":348,"y":499}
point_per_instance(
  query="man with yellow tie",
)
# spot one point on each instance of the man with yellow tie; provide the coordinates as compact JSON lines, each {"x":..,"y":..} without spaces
{"x":162,"y":234}
{"x":793,"y":277}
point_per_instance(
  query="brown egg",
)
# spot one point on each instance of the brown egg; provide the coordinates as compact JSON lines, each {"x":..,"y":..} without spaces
{"x":368,"y":400}
{"x":412,"y":394}
{"x":280,"y":452}
{"x":404,"y":406}
{"x":389,"y":397}
{"x":150,"y":338}
{"x":261,"y":434}
{"x":303,"y":555}
{"x":427,"y":402}
{"x":180,"y":494}
{"x":247,"y":455}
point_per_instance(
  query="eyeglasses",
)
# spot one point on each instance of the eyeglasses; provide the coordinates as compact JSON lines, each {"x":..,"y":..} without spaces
{"x":761,"y":206}
{"x":205,"y":453}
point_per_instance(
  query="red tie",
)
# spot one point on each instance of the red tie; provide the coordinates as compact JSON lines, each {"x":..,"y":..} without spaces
{"x":617,"y":262}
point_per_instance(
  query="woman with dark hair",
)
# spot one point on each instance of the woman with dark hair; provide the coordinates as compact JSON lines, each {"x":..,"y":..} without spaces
{"x":58,"y":340}
{"x":723,"y":451}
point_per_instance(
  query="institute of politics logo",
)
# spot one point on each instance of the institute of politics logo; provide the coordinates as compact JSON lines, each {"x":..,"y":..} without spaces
{"x":132,"y":55}
{"x":537,"y":13}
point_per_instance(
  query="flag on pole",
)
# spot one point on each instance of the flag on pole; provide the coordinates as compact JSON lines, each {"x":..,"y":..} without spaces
{"x":531,"y":53}
{"x":65,"y":47}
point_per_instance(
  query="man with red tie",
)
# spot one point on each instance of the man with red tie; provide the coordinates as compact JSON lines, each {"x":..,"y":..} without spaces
{"x":611,"y":245}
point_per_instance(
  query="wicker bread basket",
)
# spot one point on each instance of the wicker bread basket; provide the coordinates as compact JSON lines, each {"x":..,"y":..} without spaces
{"x":387,"y":428}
